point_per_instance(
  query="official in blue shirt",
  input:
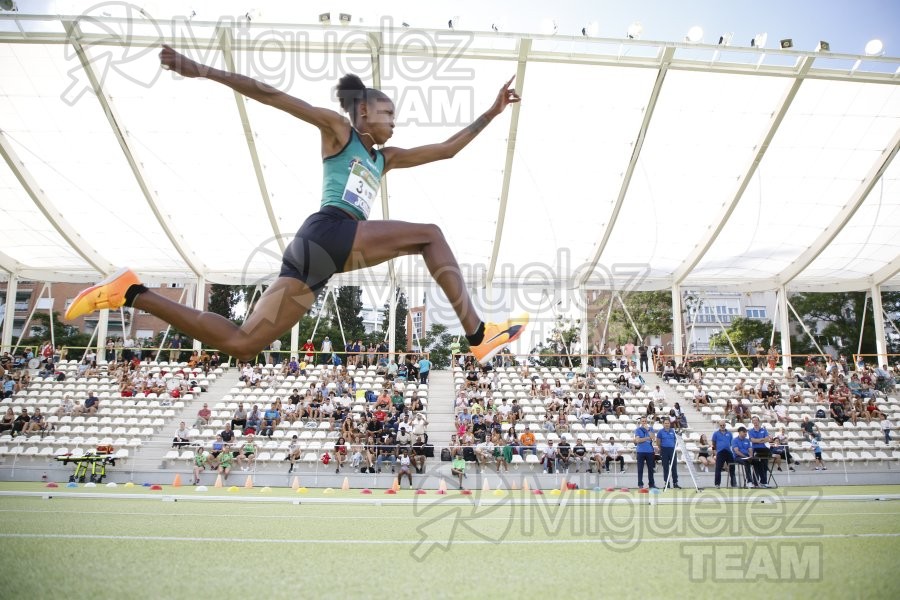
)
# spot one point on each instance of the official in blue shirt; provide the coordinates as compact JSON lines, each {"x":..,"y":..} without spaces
{"x":759,"y":438}
{"x":643,"y":442}
{"x":666,"y":441}
{"x":741,"y":449}
{"x":721,"y":442}
{"x":424,"y":369}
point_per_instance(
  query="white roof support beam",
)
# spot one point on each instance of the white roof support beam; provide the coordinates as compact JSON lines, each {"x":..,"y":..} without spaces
{"x":9,"y":264}
{"x":75,"y":35}
{"x":712,"y":233}
{"x":375,"y":47}
{"x":56,"y":218}
{"x":519,"y":85}
{"x":226,"y":40}
{"x":887,"y":272}
{"x":635,"y":156}
{"x":844,"y":216}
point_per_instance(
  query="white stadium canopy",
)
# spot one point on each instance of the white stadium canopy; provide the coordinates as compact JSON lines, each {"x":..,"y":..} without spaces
{"x":629,"y":163}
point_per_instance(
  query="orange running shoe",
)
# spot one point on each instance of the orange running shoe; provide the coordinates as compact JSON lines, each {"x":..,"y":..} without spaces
{"x":497,"y":336}
{"x":109,"y":293}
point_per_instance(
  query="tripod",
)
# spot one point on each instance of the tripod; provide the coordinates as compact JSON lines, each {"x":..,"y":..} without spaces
{"x":686,"y":457}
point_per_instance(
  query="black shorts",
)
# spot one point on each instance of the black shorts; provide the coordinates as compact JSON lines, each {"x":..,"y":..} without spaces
{"x":320,"y":248}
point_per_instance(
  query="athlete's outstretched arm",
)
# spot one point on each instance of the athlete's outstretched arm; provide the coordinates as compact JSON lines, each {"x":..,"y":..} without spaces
{"x":325,"y":119}
{"x":401,"y":158}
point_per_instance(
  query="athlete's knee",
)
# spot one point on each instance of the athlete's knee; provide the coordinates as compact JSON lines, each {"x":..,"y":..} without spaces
{"x":433,"y":233}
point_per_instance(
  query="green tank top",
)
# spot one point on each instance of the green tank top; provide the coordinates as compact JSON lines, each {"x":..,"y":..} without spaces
{"x":352,"y":178}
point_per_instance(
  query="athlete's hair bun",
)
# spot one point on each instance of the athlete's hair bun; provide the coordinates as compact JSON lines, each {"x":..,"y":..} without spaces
{"x":350,"y":89}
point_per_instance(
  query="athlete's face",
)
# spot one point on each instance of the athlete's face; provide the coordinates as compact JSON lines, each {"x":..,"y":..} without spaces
{"x":380,"y":119}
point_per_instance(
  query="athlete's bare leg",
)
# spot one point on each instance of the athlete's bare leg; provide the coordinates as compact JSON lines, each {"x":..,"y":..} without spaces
{"x":378,"y":241}
{"x":277,"y":310}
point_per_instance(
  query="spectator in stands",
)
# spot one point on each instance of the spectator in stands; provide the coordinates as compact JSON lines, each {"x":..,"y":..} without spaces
{"x":227,"y":434}
{"x":760,"y":452}
{"x":458,"y":468}
{"x":781,"y":451}
{"x":6,"y":422}
{"x":175,"y":348}
{"x":246,"y":456}
{"x":21,"y":422}
{"x":37,"y":423}
{"x":886,"y":427}
{"x":387,"y":453}
{"x":203,"y":416}
{"x":239,"y":418}
{"x":740,"y":447}
{"x":795,"y":396}
{"x":817,"y":453}
{"x":781,"y":413}
{"x":703,"y":453}
{"x":527,"y":442}
{"x":224,"y":462}
{"x":293,"y":452}
{"x":201,"y":461}
{"x":837,"y":412}
{"x":66,"y":407}
{"x":271,"y":419}
{"x":253,"y":420}
{"x":182,"y":436}
{"x":580,"y":456}
{"x":91,"y":404}
{"x":741,"y":410}
{"x":419,"y":455}
{"x":644,"y":435}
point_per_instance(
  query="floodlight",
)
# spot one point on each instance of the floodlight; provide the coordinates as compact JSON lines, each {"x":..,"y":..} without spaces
{"x":453,"y":23}
{"x":590,"y":30}
{"x":874,"y":48}
{"x":344,"y":18}
{"x":549,"y":27}
{"x":635,"y":30}
{"x":786,"y":43}
{"x":325,"y":18}
{"x":9,"y":5}
{"x":694,"y":34}
{"x":759,"y":41}
{"x":823,"y":47}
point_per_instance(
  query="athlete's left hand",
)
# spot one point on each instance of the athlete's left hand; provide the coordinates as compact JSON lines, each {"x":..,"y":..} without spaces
{"x":506,"y":96}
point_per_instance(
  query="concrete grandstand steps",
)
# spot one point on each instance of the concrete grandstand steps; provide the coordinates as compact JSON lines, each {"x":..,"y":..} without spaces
{"x":697,"y":423}
{"x":441,"y":395}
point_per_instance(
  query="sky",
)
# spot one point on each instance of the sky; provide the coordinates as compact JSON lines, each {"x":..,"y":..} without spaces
{"x":846,"y":25}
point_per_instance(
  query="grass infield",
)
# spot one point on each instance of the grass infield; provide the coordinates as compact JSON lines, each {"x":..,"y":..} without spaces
{"x":834,"y":542}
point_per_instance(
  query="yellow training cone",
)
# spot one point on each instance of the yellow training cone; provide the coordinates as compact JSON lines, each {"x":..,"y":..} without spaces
{"x":233,"y":488}
{"x":302,"y":490}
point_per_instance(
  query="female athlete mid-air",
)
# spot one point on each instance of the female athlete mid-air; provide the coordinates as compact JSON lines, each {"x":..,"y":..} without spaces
{"x":336,"y":239}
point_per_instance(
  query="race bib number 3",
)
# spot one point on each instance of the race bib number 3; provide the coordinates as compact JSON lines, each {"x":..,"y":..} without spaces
{"x":361,"y":188}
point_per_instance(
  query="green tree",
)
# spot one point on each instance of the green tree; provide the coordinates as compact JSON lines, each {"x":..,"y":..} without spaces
{"x":349,"y":307}
{"x":557,"y":349}
{"x":223,"y":298}
{"x":651,"y":311}
{"x":437,"y":342}
{"x":400,"y":324}
{"x":744,"y":334}
{"x":835,"y":318}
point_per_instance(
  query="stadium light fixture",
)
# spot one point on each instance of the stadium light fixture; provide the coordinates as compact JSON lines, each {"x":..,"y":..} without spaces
{"x":405,"y":25}
{"x":345,"y":18}
{"x":8,"y":5}
{"x":453,"y":23}
{"x":823,"y":46}
{"x":725,"y":39}
{"x":325,"y":19}
{"x":786,"y":43}
{"x":694,"y":34}
{"x":634,"y":31}
{"x":549,"y":26}
{"x":875,"y":48}
{"x":759,"y":40}
{"x":591,"y":29}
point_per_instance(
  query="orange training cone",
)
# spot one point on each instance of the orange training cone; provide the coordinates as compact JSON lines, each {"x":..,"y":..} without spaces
{"x":515,"y":485}
{"x":525,"y":485}
{"x":218,"y":481}
{"x":346,"y":485}
{"x":177,"y":481}
{"x":249,"y":483}
{"x":485,"y":487}
{"x":563,"y":486}
{"x":295,"y":484}
{"x":396,"y":485}
{"x":442,"y":487}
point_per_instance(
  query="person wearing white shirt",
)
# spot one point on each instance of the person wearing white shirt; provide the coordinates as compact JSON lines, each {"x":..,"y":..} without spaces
{"x":658,"y":396}
{"x":613,"y":451}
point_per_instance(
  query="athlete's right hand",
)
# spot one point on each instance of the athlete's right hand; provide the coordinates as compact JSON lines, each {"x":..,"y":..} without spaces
{"x":184,"y":66}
